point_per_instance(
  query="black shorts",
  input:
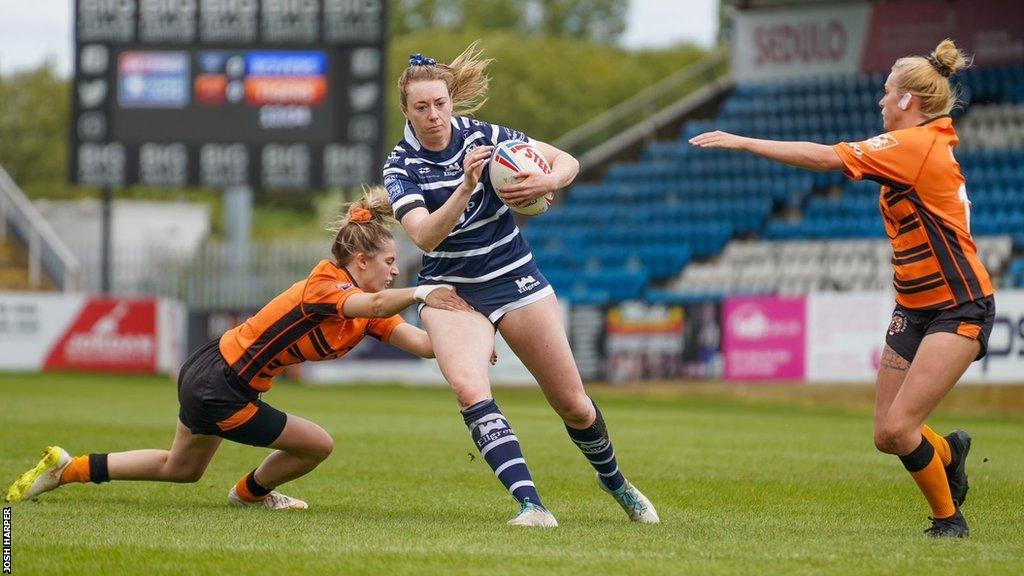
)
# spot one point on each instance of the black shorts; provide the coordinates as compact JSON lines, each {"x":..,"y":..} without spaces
{"x":972,"y":320}
{"x":213,"y":401}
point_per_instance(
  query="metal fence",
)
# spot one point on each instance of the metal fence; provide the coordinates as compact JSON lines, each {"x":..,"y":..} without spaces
{"x":216,"y":277}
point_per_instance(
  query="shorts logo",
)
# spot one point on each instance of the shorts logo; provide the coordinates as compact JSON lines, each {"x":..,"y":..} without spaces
{"x":526,"y":283}
{"x":898,"y":324}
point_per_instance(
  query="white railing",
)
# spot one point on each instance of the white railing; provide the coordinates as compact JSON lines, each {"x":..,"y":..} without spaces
{"x":641,"y":116}
{"x":45,"y":248}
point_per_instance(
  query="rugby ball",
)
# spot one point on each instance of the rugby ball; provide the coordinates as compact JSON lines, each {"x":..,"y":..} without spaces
{"x":512,"y":158}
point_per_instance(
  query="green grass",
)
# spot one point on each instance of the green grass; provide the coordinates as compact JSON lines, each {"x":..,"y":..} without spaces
{"x":743,"y":487}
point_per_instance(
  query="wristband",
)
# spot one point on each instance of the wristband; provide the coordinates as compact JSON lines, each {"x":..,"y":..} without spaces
{"x":421,"y":292}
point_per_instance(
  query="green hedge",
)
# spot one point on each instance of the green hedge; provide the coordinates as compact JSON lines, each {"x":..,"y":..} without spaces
{"x":542,"y":86}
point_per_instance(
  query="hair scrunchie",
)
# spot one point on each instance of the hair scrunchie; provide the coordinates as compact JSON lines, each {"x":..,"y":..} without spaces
{"x":359,"y":215}
{"x":938,"y":66}
{"x":421,"y":60}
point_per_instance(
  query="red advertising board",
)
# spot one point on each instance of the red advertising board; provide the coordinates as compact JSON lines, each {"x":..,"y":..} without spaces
{"x":991,"y":30}
{"x":108,"y":335}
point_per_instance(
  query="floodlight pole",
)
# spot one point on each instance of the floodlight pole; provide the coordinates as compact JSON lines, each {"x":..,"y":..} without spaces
{"x":238,"y":223}
{"x":106,"y":201}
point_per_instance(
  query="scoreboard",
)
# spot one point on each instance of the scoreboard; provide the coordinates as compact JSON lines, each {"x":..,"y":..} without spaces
{"x":273,"y":94}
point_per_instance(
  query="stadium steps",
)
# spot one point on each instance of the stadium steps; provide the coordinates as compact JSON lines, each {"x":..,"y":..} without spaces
{"x":14,"y":269}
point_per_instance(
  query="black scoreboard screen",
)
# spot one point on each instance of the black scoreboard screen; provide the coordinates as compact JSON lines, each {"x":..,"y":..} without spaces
{"x":280,"y":94}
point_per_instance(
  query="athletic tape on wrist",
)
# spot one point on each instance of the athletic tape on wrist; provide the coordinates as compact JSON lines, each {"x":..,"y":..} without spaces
{"x":420,"y":295}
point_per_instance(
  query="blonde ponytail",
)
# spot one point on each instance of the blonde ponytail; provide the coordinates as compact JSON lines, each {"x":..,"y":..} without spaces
{"x":927,"y":78}
{"x":465,"y":78}
{"x":365,"y":225}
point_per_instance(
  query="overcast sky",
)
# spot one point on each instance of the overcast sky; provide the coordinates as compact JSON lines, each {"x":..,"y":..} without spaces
{"x":31,"y":31}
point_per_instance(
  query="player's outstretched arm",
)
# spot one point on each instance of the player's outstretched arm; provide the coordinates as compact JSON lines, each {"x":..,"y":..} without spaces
{"x":808,"y":155}
{"x":389,"y":302}
{"x":416,"y":341}
{"x":413,"y":340}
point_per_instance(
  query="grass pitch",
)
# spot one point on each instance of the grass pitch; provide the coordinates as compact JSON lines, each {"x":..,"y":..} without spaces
{"x":743,"y":485}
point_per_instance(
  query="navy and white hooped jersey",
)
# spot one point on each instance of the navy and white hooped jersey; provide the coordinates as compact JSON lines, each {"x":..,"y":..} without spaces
{"x":486,"y":242}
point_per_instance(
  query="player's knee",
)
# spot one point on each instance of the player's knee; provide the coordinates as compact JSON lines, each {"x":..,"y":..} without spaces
{"x":469,"y":390}
{"x":883,"y":442}
{"x":578,"y":414}
{"x":890,"y":437}
{"x":322,"y":446}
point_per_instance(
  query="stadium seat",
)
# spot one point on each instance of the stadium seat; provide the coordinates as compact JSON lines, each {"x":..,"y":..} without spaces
{"x":674,"y":214}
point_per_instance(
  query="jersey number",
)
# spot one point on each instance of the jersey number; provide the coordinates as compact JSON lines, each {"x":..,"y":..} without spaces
{"x":962,"y":194}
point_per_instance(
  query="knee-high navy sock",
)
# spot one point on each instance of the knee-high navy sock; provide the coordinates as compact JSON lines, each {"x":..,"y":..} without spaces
{"x":500,"y":448}
{"x":598,"y":450}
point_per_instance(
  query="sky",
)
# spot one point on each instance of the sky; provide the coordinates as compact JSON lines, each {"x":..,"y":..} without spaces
{"x":32,"y":31}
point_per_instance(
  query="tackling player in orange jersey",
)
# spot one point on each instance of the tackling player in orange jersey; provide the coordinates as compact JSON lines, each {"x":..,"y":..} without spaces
{"x":944,"y":297}
{"x":320,"y":317}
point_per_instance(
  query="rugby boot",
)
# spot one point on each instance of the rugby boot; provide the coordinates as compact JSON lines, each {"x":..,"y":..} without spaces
{"x":274,"y":501}
{"x":45,"y":476}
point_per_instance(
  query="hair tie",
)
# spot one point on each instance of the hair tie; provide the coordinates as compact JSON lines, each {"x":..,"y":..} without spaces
{"x":938,"y":66}
{"x":421,"y":60}
{"x":359,"y":215}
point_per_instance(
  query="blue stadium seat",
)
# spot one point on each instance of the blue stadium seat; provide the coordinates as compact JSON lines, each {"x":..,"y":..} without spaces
{"x":647,"y":220}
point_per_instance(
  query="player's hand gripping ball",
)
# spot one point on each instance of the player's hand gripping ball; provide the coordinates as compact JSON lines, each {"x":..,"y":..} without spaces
{"x":512,"y":159}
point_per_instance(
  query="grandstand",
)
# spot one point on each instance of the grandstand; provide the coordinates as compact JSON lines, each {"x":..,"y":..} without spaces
{"x":681,"y":223}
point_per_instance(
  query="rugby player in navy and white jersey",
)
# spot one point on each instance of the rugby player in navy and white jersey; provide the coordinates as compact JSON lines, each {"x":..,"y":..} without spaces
{"x":436,"y":179}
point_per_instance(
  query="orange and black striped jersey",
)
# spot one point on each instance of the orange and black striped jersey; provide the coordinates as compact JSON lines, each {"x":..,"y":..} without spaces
{"x":305,"y":322}
{"x":927,"y":213}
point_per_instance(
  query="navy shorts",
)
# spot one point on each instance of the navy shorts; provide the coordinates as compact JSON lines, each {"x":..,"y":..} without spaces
{"x":972,"y":320}
{"x":503,"y":294}
{"x":213,"y":401}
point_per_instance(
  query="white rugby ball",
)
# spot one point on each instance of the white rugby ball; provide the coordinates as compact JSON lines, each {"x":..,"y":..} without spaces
{"x":512,"y":158}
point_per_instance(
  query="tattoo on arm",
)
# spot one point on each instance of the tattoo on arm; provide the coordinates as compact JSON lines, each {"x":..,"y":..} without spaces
{"x":892,"y":360}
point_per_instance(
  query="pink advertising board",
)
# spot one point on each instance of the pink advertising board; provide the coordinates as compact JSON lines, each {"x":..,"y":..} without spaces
{"x":764,"y":338}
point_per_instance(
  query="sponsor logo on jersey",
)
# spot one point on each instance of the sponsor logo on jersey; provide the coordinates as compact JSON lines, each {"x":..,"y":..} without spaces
{"x":343,"y":285}
{"x":393,"y":186}
{"x":881,"y":142}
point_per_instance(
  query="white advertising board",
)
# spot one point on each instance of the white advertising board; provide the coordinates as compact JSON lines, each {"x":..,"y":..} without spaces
{"x":1004,"y":363}
{"x":846,"y":335}
{"x":780,"y":43}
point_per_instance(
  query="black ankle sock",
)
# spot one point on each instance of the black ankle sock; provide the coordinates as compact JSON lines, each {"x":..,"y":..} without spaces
{"x":254,"y":488}
{"x":98,"y":471}
{"x":920,"y":457}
